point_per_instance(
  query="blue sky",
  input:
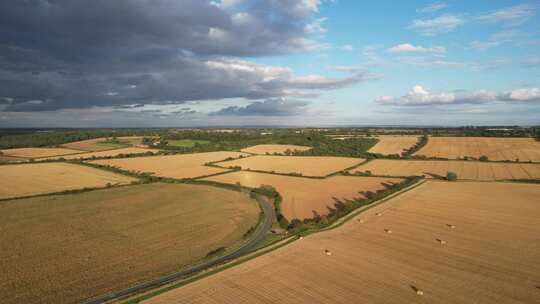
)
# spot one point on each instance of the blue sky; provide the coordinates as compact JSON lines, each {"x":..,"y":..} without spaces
{"x":276,"y":62}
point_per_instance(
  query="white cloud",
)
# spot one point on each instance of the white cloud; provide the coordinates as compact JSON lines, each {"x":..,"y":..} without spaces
{"x":483,"y":45}
{"x":421,"y":96}
{"x":438,"y":25}
{"x":316,"y":26}
{"x":409,"y":48}
{"x":347,"y":47}
{"x":509,"y":16}
{"x":532,"y":94}
{"x":437,"y":6}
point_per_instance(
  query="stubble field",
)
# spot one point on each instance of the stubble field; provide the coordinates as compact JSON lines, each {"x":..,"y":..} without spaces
{"x":524,"y":149}
{"x":95,"y":144}
{"x":173,"y":166}
{"x":271,"y":149}
{"x":389,"y":144}
{"x":33,"y":179}
{"x":304,"y":196}
{"x":107,"y":153}
{"x":67,"y":248}
{"x":490,"y":254}
{"x":305,"y":165}
{"x":38,"y":152}
{"x":471,"y":170}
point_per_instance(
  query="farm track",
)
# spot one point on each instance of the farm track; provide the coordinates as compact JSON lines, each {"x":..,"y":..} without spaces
{"x":268,"y":211}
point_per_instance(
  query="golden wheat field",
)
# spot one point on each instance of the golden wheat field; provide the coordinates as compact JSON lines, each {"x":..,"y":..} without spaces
{"x":389,"y":144}
{"x":471,"y":170}
{"x":95,"y":144}
{"x":462,"y":242}
{"x":38,"y":152}
{"x":107,"y":153}
{"x":174,"y":166}
{"x":67,"y":248}
{"x":304,"y":196}
{"x":305,"y":165}
{"x":32,"y":179}
{"x":271,"y":149}
{"x":524,"y":149}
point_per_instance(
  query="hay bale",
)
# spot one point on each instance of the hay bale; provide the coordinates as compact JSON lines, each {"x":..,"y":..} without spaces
{"x":378,"y":214}
{"x":443,"y":242}
{"x":361,"y":221}
{"x":419,"y":292}
{"x":387,"y":230}
{"x":327,"y":252}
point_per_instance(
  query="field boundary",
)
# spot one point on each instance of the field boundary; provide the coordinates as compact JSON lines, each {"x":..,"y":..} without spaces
{"x":243,"y":249}
{"x":274,"y":246}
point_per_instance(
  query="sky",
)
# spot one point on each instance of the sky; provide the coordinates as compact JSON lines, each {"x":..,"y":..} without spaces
{"x":204,"y":63}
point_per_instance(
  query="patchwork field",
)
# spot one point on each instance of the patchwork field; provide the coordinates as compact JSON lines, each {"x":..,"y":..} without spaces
{"x":486,"y":171}
{"x":524,"y":149}
{"x":306,"y":165}
{"x":271,"y":149}
{"x":489,"y":256}
{"x":389,"y":144}
{"x":304,"y":196}
{"x":174,"y":166}
{"x":107,"y":153}
{"x":97,"y":145}
{"x":38,"y":152}
{"x":67,"y":248}
{"x":32,"y":179}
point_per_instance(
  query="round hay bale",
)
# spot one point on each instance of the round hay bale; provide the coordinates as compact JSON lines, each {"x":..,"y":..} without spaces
{"x":443,"y":242}
{"x":419,"y":292}
{"x":387,"y":230}
{"x":327,"y":252}
{"x":378,"y":214}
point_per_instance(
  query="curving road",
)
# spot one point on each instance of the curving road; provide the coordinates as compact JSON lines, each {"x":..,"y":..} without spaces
{"x":268,"y":210}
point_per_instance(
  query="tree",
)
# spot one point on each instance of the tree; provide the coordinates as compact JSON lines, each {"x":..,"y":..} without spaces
{"x":483,"y":158}
{"x":451,"y":176}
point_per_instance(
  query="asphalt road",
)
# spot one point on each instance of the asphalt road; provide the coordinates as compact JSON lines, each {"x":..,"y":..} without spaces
{"x":260,"y":234}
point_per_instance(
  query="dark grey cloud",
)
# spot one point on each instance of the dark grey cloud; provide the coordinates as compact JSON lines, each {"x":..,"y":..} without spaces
{"x":126,"y":53}
{"x":269,"y":107}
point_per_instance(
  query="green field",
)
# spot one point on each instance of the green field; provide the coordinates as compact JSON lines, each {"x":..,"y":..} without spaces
{"x":186,"y":143}
{"x":67,"y":248}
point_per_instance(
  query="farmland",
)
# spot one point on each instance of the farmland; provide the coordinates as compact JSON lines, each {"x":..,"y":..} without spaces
{"x":38,"y":152}
{"x":489,"y":255}
{"x":67,"y":248}
{"x":32,"y":179}
{"x":471,"y":170}
{"x":389,"y":144}
{"x":305,"y":165}
{"x":173,"y":166}
{"x":101,"y":144}
{"x":106,"y":153}
{"x":304,"y":196}
{"x":523,"y":149}
{"x":272,"y":149}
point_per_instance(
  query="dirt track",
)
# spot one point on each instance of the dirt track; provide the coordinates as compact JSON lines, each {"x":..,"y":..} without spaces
{"x":490,"y":256}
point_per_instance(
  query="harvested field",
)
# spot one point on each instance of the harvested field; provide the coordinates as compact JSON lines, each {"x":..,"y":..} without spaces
{"x":489,"y":256}
{"x":524,"y":149}
{"x":389,"y":144}
{"x":271,"y":149}
{"x":11,"y":159}
{"x":67,"y":248}
{"x":303,"y":196}
{"x":38,"y":152}
{"x":174,"y":166}
{"x":95,"y":145}
{"x":107,"y":153}
{"x":471,"y":170}
{"x":32,"y":179}
{"x":305,"y":165}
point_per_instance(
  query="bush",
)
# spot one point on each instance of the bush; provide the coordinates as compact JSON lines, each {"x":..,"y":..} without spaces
{"x":451,"y":176}
{"x":483,"y":158}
